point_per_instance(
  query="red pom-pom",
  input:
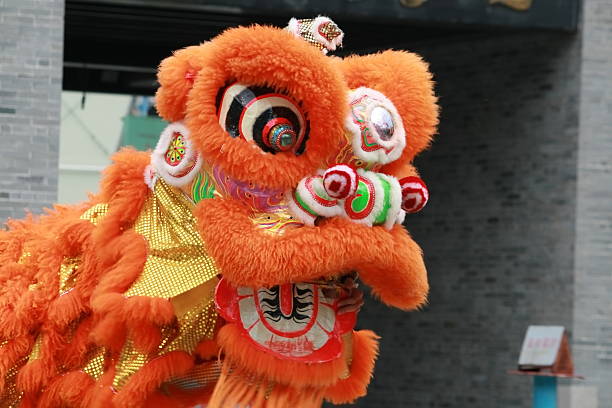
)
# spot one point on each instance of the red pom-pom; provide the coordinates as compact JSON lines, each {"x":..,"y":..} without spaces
{"x":340,"y":181}
{"x":414,"y":194}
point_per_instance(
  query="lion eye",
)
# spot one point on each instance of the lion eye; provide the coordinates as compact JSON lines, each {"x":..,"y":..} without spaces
{"x":268,"y":118}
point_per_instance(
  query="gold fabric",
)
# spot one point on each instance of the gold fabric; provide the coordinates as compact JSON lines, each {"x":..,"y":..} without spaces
{"x":95,"y":366}
{"x":196,"y":321}
{"x":11,"y":397}
{"x":68,"y":274}
{"x":129,"y":362}
{"x":96,"y":213}
{"x":177,"y":260}
{"x":197,"y":318}
{"x":178,"y":268}
{"x":199,"y":376}
{"x":35,"y":353}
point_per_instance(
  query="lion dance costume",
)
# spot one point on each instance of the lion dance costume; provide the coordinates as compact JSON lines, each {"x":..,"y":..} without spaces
{"x":201,"y":272}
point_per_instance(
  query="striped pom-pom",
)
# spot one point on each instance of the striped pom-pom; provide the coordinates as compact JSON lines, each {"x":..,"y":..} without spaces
{"x":340,"y":181}
{"x":414,"y":194}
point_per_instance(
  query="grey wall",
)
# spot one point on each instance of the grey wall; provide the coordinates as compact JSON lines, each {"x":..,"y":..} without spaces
{"x":593,"y":287}
{"x":519,"y":227}
{"x":31,"y":46}
{"x":498,"y":233}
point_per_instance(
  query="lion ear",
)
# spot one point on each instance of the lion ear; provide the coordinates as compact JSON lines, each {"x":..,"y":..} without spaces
{"x":404,"y":79}
{"x":176,"y":75}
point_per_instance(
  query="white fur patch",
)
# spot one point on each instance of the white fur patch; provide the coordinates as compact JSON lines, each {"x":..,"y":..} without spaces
{"x":183,"y":173}
{"x":392,"y":149}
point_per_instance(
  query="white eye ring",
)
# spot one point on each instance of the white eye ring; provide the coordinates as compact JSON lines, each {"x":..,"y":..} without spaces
{"x":182,"y":173}
{"x":376,"y":128}
{"x":250,"y":112}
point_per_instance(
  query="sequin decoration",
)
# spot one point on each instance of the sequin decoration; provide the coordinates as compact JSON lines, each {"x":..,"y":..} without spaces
{"x":276,"y":223}
{"x":130,"y":361}
{"x":200,"y":376}
{"x":202,"y":187}
{"x":96,"y":213}
{"x":35,"y":352}
{"x":70,"y":266}
{"x":11,"y":397}
{"x":177,"y":260}
{"x":68,"y":274}
{"x":197,"y":318}
{"x":95,"y":365}
{"x":196,"y":321}
{"x":176,"y":150}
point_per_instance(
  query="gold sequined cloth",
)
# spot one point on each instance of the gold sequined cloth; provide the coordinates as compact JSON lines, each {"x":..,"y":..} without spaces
{"x":178,"y":268}
{"x":177,"y":260}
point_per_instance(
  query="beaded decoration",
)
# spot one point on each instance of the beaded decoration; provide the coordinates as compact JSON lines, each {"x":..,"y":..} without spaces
{"x":321,"y":32}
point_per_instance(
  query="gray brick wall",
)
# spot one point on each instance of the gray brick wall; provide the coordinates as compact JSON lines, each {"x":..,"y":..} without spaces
{"x":31,"y":47}
{"x":593,"y":279}
{"x":498,"y":233}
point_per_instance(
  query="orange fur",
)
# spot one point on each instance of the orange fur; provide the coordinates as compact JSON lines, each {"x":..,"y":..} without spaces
{"x":404,"y":78}
{"x":207,"y":349}
{"x":389,"y":261}
{"x":12,"y":352}
{"x":66,"y":390}
{"x":239,"y":351}
{"x":283,"y":62}
{"x":150,"y":377}
{"x":365,"y":351}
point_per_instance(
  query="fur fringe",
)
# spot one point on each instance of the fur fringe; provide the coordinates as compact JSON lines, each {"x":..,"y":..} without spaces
{"x":239,"y":388}
{"x":388,"y":261}
{"x":240,"y":352}
{"x":146,"y":380}
{"x":365,"y":352}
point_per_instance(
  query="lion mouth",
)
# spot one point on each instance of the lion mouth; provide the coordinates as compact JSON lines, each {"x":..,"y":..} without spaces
{"x":293,"y":321}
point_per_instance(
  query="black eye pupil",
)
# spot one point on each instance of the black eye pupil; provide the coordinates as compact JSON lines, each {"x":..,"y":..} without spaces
{"x":281,"y":137}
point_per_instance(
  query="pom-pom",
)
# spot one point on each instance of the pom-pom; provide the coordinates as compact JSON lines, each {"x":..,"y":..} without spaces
{"x":340,"y":181}
{"x":414,"y":194}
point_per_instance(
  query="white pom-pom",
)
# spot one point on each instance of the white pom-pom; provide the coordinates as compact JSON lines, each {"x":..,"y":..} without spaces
{"x":340,"y":181}
{"x":414,"y":194}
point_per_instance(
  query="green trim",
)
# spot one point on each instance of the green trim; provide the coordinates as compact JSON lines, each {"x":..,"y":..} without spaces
{"x":362,"y":198}
{"x":382,"y":216}
{"x":203,"y":191}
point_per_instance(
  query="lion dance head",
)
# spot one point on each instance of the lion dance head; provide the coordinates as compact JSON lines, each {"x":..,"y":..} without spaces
{"x":212,"y":270}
